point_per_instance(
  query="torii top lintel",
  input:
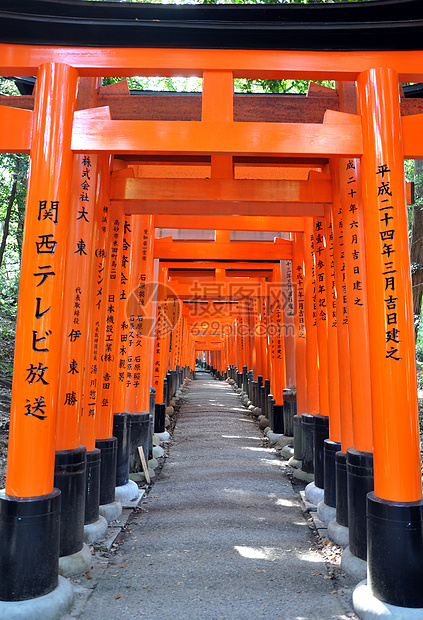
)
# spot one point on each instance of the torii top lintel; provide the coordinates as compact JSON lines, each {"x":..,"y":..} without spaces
{"x":193,"y":38}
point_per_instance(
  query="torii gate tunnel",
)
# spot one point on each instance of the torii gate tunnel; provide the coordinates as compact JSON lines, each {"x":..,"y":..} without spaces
{"x":111,"y":311}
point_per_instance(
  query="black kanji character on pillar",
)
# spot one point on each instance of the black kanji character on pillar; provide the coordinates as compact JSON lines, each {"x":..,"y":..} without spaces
{"x":74,"y":335}
{"x":44,"y":274}
{"x":37,"y":409}
{"x":36,"y":374}
{"x":47,"y":245}
{"x":70,"y":398}
{"x":35,"y":340}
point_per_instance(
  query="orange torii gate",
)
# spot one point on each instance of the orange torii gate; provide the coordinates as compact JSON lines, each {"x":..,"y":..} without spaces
{"x":372,"y":145}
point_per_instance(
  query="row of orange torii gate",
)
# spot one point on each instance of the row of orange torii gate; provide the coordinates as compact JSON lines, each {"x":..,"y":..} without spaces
{"x":105,"y":309}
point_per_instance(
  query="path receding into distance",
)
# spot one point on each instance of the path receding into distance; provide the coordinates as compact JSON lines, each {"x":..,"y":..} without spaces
{"x":221,"y":534}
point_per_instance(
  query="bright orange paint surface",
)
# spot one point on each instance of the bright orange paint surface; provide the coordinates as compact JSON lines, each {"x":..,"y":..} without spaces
{"x":312,"y":359}
{"x":392,"y":355}
{"x":38,"y":337}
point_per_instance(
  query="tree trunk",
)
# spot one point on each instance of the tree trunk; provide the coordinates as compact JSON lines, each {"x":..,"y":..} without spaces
{"x":416,"y":248}
{"x":9,"y":211}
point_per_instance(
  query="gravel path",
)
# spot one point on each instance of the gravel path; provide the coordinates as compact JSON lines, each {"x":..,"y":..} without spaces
{"x":221,"y":534}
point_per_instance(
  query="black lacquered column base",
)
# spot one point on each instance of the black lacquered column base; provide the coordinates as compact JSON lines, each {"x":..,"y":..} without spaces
{"x":395,"y":551}
{"x":122,"y":432}
{"x":140,"y":432}
{"x":29,"y":552}
{"x":341,"y":489}
{"x":92,"y":490}
{"x":307,"y":422}
{"x":278,"y":425}
{"x":360,"y":481}
{"x":321,"y":432}
{"x":108,"y":449}
{"x":330,"y":448}
{"x":70,"y":478}
{"x":298,"y":437}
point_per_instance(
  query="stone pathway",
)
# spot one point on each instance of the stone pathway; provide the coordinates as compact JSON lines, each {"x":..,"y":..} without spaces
{"x":221,"y":534}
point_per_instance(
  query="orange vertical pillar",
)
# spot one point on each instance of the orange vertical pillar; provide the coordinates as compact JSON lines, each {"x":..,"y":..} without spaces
{"x":321,"y":421}
{"x":96,"y":320}
{"x":159,"y":340}
{"x":300,"y":342}
{"x":299,"y":323}
{"x":30,"y":506}
{"x":332,"y":444}
{"x":359,"y":457}
{"x":70,"y":468}
{"x":342,"y":319}
{"x":312,"y":356}
{"x":122,"y":320}
{"x":140,"y":309}
{"x":126,"y":490}
{"x":287,"y":283}
{"x":108,"y":342}
{"x":394,"y":574}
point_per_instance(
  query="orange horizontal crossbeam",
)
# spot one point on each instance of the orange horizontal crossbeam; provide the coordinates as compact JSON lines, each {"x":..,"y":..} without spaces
{"x":266,"y":64}
{"x":199,"y":207}
{"x":212,"y":264}
{"x":216,"y":137}
{"x":229,"y":222}
{"x":316,"y":189}
{"x":193,"y":250}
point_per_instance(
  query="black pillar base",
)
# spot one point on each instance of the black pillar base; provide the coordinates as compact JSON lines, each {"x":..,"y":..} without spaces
{"x":278,"y":426}
{"x":330,"y":448}
{"x":298,"y":438}
{"x":307,"y":422}
{"x":92,"y":489}
{"x":289,"y":410}
{"x":359,"y":482}
{"x":122,"y":432}
{"x":395,"y":551}
{"x":108,"y":449}
{"x":321,"y":432}
{"x":159,"y":418}
{"x":140,"y":431}
{"x":29,"y":553}
{"x":70,"y":478}
{"x":341,"y":489}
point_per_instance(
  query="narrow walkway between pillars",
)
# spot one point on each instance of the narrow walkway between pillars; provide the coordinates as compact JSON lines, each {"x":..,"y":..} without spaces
{"x":222,"y":534}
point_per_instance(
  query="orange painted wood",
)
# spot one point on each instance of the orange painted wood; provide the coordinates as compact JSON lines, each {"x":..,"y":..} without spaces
{"x":31,"y":454}
{"x":392,"y":352}
{"x":317,"y":189}
{"x":299,"y":321}
{"x":97,"y":306}
{"x":341,"y":231}
{"x":109,"y":338}
{"x":321,"y":264}
{"x":229,"y":222}
{"x":16,"y":130}
{"x":199,"y":207}
{"x":208,"y":137}
{"x":122,"y":374}
{"x":266,"y":64}
{"x":276,"y":337}
{"x":412,"y":128}
{"x":77,"y":299}
{"x":192,"y":250}
{"x":218,"y":96}
{"x":355,"y":304}
{"x":312,"y":360}
{"x":332,"y":332}
{"x":288,"y":323}
{"x":141,"y":313}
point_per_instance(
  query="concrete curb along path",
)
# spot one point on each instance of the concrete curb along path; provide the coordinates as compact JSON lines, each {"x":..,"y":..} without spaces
{"x":221,"y":534}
